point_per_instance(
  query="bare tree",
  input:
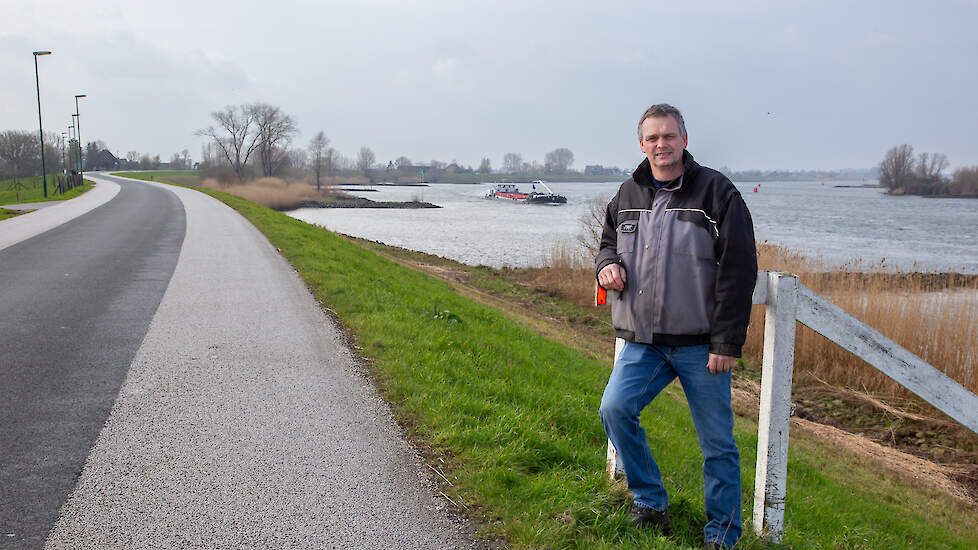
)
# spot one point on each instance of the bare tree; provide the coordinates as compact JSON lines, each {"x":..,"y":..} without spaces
{"x":235,"y":137}
{"x":275,"y":131}
{"x":297,"y":159}
{"x":330,"y":159}
{"x":485,"y":167}
{"x":365,"y":160}
{"x":20,"y":153}
{"x":317,"y":150}
{"x":132,"y":157}
{"x":897,"y":168}
{"x":512,"y":163}
{"x":930,"y":166}
{"x":592,"y":224}
{"x":965,"y":181}
{"x":52,"y":154}
{"x":402,"y":163}
{"x":559,"y":160}
{"x":342,"y":162}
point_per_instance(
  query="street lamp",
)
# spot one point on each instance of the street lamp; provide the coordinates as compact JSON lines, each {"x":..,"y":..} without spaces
{"x":81,"y":165}
{"x":64,"y":142}
{"x":44,"y":176}
{"x":74,"y":124}
{"x":70,"y":149}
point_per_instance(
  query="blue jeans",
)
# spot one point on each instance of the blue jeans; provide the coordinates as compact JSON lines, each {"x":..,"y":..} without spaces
{"x":640,"y":373}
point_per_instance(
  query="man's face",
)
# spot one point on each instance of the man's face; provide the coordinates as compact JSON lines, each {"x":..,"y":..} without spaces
{"x":662,"y":143}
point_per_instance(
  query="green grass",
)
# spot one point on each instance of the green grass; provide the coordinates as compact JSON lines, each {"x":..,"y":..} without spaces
{"x":189,"y":178}
{"x":511,"y":418}
{"x":34,"y":191}
{"x":7,"y":214}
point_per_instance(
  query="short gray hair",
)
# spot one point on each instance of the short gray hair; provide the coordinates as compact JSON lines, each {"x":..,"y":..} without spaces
{"x":662,"y":109}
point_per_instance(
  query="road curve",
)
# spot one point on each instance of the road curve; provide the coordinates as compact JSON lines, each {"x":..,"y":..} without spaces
{"x":15,"y":230}
{"x":76,"y":300}
{"x":244,"y":422}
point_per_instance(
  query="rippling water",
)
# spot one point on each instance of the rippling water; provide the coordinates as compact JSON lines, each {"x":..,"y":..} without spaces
{"x":840,"y":224}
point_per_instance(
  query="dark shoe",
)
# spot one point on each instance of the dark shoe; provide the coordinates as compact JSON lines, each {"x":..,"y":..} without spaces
{"x":643,"y":517}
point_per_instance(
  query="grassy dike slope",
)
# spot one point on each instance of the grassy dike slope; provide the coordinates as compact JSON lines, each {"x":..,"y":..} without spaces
{"x":511,"y":419}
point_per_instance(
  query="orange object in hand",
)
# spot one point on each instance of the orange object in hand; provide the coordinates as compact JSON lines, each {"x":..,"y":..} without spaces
{"x":600,"y":295}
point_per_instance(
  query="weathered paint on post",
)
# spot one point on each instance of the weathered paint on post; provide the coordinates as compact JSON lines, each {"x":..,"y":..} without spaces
{"x":772,"y":431}
{"x":908,"y":370}
{"x":760,"y":289}
{"x":613,"y":464}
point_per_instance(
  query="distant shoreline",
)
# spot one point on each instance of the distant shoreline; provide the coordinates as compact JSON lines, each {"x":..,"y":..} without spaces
{"x":360,"y":202}
{"x":947,"y":196}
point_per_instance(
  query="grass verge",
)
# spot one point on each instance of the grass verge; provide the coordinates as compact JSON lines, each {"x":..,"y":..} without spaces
{"x":7,"y":214}
{"x":188,"y":178}
{"x":33,"y":191}
{"x":510,"y":418}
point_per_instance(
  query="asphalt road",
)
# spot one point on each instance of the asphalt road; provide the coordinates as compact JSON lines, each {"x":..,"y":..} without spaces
{"x":243,"y":420}
{"x":75,"y":304}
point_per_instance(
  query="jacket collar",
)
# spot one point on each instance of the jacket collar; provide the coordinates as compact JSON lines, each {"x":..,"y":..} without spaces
{"x":643,"y":174}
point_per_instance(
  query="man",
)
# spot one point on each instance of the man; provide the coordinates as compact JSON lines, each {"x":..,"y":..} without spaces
{"x":677,"y":252}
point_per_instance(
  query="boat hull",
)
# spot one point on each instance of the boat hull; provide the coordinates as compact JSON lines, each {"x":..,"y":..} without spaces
{"x":539,"y":198}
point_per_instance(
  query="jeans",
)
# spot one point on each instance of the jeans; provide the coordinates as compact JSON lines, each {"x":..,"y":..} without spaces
{"x":640,"y":373}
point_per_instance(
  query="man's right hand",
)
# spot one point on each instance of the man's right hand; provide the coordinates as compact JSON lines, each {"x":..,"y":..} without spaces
{"x":612,"y":277}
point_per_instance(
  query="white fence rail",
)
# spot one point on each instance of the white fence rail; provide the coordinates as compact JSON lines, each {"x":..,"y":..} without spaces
{"x":787,"y":301}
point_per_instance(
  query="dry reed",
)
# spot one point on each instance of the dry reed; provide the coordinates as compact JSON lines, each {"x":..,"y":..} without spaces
{"x":568,"y":272}
{"x":934,"y":315}
{"x":274,"y":193}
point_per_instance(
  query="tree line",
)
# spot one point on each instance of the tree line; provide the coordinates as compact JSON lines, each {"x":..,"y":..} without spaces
{"x":20,"y":154}
{"x":903,"y":173}
{"x":257,"y":140}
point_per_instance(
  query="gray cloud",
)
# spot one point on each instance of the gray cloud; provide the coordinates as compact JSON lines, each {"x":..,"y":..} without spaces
{"x":762,"y":84}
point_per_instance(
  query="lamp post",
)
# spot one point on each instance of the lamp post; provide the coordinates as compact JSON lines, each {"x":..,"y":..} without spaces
{"x":37,"y":82}
{"x":70,"y":149}
{"x":64,"y":141}
{"x":74,"y":124}
{"x":81,"y":164}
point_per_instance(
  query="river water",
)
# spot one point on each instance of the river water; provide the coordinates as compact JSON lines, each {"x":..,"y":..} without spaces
{"x":840,"y":224}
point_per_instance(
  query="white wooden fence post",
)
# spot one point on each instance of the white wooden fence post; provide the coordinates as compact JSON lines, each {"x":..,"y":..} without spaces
{"x":772,"y":432}
{"x":613,"y":464}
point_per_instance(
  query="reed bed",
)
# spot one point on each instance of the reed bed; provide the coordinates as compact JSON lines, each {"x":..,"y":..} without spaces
{"x":934,"y":315}
{"x":274,"y":193}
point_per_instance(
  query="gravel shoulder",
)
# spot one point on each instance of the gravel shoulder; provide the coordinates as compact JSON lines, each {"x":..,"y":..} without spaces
{"x":245,"y":422}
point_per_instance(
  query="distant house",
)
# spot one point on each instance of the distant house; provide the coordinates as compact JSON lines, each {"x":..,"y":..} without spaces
{"x":104,"y":160}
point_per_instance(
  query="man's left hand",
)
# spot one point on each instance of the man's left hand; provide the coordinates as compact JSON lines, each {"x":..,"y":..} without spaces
{"x":721,"y":363}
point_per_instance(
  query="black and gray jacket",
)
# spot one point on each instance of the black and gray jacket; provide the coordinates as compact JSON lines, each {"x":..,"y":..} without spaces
{"x":689,"y":258}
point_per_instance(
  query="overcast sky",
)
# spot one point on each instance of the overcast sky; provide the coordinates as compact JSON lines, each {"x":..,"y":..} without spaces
{"x":767,"y":85}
